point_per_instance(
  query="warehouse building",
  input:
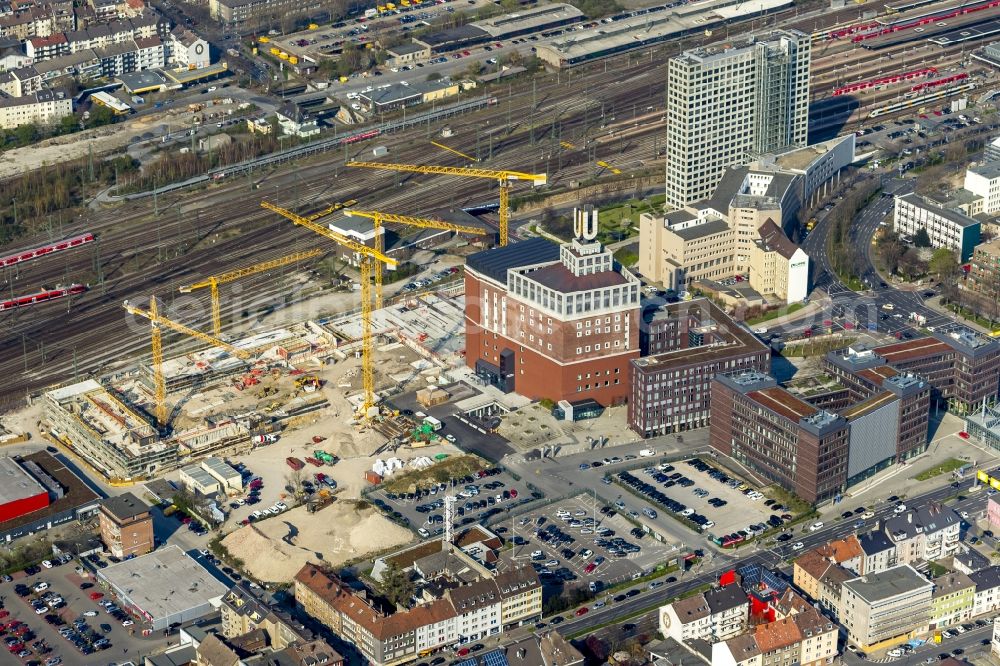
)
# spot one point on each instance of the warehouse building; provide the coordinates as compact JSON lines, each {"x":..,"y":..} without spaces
{"x":67,"y":496}
{"x":529,"y":20}
{"x":650,"y":28}
{"x":200,"y":481}
{"x":164,"y":587}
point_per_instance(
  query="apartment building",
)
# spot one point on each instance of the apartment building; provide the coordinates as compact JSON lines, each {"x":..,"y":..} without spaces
{"x":21,"y":81}
{"x":945,"y":227}
{"x":186,"y":49}
{"x":729,"y":103}
{"x":126,"y":526}
{"x":685,"y":345}
{"x":715,"y":615}
{"x":242,"y":612}
{"x":953,"y":600}
{"x":464,"y":613}
{"x":984,"y":270}
{"x":247,"y":15}
{"x":805,"y":638}
{"x":821,"y":579}
{"x":887,"y":607}
{"x":987,"y":597}
{"x":879,"y":552}
{"x":44,"y":107}
{"x":551,"y":321}
{"x":927,"y":533}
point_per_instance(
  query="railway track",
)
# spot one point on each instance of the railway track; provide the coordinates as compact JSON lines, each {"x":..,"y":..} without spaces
{"x":204,"y":232}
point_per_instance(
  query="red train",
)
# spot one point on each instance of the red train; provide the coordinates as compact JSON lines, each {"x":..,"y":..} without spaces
{"x":915,"y":23}
{"x":370,"y":134}
{"x":851,"y":30}
{"x":42,"y":296}
{"x":939,"y":82}
{"x":884,"y":80}
{"x":34,"y":253}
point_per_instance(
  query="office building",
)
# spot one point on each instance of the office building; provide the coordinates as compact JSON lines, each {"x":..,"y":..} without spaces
{"x":126,"y":526}
{"x":727,"y":104}
{"x":551,"y":321}
{"x":984,"y":271}
{"x":887,"y":607}
{"x":946,"y":227}
{"x":685,"y":345}
{"x":983,"y":180}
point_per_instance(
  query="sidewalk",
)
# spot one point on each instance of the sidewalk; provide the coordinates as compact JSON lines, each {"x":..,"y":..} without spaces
{"x":899,"y":479}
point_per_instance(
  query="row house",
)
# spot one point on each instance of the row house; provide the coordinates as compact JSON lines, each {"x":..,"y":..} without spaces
{"x":821,"y":580}
{"x":718,"y":614}
{"x":34,"y":22}
{"x":953,"y":600}
{"x":803,"y":639}
{"x":987,"y":597}
{"x":20,"y":82}
{"x":928,"y":533}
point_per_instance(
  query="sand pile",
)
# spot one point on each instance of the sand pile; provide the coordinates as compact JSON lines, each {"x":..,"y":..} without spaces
{"x":275,"y":549}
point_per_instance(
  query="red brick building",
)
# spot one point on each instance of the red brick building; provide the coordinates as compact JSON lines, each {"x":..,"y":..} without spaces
{"x":551,"y":321}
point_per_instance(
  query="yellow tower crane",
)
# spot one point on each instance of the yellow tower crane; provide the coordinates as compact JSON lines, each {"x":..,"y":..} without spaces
{"x":368,"y":257}
{"x":158,"y":322}
{"x":215,"y":280}
{"x":504,"y":177}
{"x":378,"y":218}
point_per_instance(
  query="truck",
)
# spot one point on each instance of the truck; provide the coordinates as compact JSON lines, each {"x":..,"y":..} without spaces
{"x":371,"y":13}
{"x":325,"y":457}
{"x":265,"y":439}
{"x":294,"y":463}
{"x":918,"y":318}
{"x":380,"y":151}
{"x":434,"y":423}
{"x":647,"y":453}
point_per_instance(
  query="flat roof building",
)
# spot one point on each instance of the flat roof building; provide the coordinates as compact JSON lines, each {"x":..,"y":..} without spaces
{"x":684,"y":345}
{"x":553,"y":321}
{"x":197,"y":479}
{"x":886,"y":607}
{"x":947,"y":228}
{"x":527,"y":20}
{"x":20,"y":493}
{"x":126,"y":526}
{"x":164,"y":587}
{"x":69,"y":498}
{"x":752,"y":97}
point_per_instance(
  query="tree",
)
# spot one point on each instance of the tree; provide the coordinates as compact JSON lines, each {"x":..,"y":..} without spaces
{"x":26,"y":134}
{"x":396,"y":585}
{"x":910,"y":264}
{"x":943,"y":263}
{"x":921,"y":238}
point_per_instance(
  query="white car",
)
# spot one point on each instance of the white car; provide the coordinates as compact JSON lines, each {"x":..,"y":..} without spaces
{"x":888,"y":306}
{"x":40,"y":586}
{"x":900,"y":508}
{"x":868,"y":514}
{"x":281,"y":505}
{"x":90,"y":613}
{"x":127,"y":623}
{"x":450,"y":438}
{"x":47,"y":564}
{"x":798,"y":545}
{"x":964,"y":514}
{"x":818,"y":525}
{"x":895,"y":652}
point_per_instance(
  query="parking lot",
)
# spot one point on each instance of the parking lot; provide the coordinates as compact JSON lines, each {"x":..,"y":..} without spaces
{"x":481,"y":497}
{"x":579,"y":541}
{"x":709,"y":500}
{"x":53,"y":616}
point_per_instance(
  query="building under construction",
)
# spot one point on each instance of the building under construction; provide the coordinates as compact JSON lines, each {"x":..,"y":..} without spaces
{"x":111,"y":436}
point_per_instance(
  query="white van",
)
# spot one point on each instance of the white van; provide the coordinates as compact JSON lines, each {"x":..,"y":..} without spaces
{"x":647,"y":453}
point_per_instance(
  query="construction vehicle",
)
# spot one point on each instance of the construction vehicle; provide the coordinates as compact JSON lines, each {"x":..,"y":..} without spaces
{"x":369,"y":256}
{"x":263,"y":39}
{"x":214,"y":281}
{"x":314,"y":462}
{"x":503,"y":177}
{"x":307,"y":383}
{"x":294,"y":463}
{"x":157,"y":322}
{"x":378,"y":218}
{"x":325,"y":457}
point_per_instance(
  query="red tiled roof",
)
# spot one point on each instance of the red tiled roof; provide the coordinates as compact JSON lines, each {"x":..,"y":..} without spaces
{"x":776,"y":635}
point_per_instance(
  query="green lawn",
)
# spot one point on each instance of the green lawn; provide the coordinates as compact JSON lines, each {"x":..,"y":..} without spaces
{"x":949,"y":465}
{"x":774,"y":314}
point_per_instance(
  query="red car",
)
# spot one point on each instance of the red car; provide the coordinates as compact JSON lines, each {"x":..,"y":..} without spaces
{"x":582,"y":610}
{"x":513,"y":494}
{"x":963,"y":435}
{"x":466,"y":53}
{"x":463,"y":652}
{"x":589,"y":569}
{"x":4,"y":613}
{"x":96,"y":595}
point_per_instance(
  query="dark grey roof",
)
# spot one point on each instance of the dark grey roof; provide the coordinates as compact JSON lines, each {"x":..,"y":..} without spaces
{"x":973,"y":560}
{"x":926,"y":519}
{"x":986,"y":579}
{"x":722,"y":599}
{"x":124,"y":506}
{"x":457,"y":35}
{"x":889,"y":583}
{"x":875,"y":542}
{"x":403,"y":49}
{"x":701,"y":230}
{"x":955,"y":216}
{"x":495,"y":262}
